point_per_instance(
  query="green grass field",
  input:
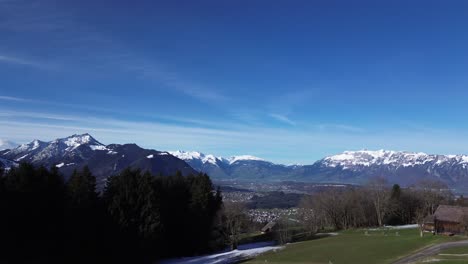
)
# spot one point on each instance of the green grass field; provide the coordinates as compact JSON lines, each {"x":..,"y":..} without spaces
{"x":354,"y":247}
{"x":450,"y":256}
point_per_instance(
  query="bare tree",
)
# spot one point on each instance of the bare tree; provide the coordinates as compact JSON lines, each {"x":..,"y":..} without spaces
{"x":339,"y":208}
{"x":433,"y":193}
{"x":309,"y":215}
{"x":283,"y":231}
{"x":379,"y":194}
{"x":234,"y":220}
{"x":354,"y":202}
{"x":330,"y":204}
{"x":420,"y":216}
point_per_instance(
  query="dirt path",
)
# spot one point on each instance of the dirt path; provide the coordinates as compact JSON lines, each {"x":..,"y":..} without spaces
{"x":430,"y":251}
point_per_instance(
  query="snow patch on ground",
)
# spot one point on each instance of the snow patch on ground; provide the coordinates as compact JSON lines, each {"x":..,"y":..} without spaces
{"x":60,"y":165}
{"x":244,"y":252}
{"x":22,"y":157}
{"x":327,"y":234}
{"x":394,"y":227}
{"x":98,"y":147}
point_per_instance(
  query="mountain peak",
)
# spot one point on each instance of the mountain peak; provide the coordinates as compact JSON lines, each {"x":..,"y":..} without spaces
{"x":77,"y":140}
{"x":187,"y":154}
{"x":234,"y":159}
{"x":33,"y":145}
{"x":195,"y":155}
{"x":84,"y":138}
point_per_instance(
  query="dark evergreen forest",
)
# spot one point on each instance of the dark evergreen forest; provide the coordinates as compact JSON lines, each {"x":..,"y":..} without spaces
{"x":138,"y":218}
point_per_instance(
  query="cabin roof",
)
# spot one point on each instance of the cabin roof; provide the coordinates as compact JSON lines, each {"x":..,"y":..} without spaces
{"x":268,"y":226}
{"x":450,"y":213}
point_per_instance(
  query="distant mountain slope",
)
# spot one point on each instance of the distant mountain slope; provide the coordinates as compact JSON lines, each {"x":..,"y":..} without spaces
{"x":7,"y":164}
{"x":355,"y":167}
{"x":243,"y":167}
{"x":397,"y":166}
{"x":79,"y":150}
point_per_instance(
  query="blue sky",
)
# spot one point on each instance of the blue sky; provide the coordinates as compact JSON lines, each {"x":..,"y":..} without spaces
{"x":288,"y":81}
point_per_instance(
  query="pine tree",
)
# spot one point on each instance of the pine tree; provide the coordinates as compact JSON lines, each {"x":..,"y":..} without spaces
{"x":82,"y":188}
{"x":396,"y":192}
{"x":134,"y":205}
{"x":35,"y":214}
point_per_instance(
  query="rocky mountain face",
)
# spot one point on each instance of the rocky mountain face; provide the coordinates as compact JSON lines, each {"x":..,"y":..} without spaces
{"x":76,"y":151}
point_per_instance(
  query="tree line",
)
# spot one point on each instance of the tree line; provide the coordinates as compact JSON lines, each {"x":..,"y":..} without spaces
{"x":375,"y":204}
{"x":138,"y":218}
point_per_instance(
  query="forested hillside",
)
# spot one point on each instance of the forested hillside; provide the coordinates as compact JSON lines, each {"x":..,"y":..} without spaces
{"x":138,"y":218}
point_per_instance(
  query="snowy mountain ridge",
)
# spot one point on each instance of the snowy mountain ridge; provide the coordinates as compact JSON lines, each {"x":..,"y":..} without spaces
{"x":346,"y":159}
{"x":76,"y":151}
{"x":211,"y":159}
{"x":367,"y":158}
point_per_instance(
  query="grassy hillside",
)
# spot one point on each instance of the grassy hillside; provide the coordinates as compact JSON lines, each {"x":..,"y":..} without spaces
{"x":354,"y":247}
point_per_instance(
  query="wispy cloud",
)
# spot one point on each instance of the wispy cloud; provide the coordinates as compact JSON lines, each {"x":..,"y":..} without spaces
{"x":101,"y":50}
{"x":283,"y":119}
{"x":303,"y":145}
{"x":38,"y":115}
{"x":340,"y":127}
{"x":287,"y":102}
{"x":23,"y":62}
{"x":30,"y":16}
{"x":10,"y":98}
{"x":158,"y":73}
{"x":53,"y":103}
{"x":277,"y":144}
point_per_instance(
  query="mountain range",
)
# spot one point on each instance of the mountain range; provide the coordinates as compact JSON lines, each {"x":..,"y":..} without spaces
{"x":76,"y":151}
{"x":353,"y":167}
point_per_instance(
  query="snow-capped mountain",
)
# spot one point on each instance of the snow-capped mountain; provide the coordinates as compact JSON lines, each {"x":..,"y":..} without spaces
{"x":354,"y":167}
{"x":6,"y":144}
{"x":245,"y":167}
{"x":351,"y":159}
{"x":197,"y":156}
{"x":397,"y":166}
{"x":211,"y":159}
{"x":77,"y":151}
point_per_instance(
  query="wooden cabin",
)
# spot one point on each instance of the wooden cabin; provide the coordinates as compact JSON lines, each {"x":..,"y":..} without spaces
{"x":447,"y":219}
